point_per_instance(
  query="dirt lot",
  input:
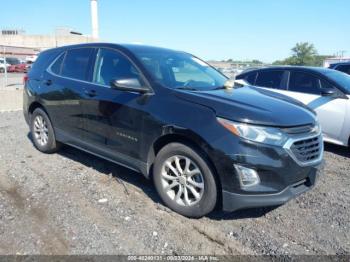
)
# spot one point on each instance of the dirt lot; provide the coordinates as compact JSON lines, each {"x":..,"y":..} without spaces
{"x":11,"y":95}
{"x":74,"y":203}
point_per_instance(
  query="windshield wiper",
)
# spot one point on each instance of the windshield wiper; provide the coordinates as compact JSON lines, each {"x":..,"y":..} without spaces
{"x":186,"y":88}
{"x":219,"y":88}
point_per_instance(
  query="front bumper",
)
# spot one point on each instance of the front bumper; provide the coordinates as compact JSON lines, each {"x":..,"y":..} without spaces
{"x":235,"y":201}
{"x":282,"y":176}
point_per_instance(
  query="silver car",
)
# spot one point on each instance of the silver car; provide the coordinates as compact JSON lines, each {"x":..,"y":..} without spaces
{"x":324,"y":90}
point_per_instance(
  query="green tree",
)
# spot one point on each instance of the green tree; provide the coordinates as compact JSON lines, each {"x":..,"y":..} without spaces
{"x":303,"y":54}
{"x":257,"y":62}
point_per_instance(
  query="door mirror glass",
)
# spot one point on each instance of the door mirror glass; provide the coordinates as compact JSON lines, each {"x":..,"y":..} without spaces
{"x":328,"y":92}
{"x":328,"y":89}
{"x":129,"y":84}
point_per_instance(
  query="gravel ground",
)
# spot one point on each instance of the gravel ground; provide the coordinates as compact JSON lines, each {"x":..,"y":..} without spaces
{"x":74,"y":203}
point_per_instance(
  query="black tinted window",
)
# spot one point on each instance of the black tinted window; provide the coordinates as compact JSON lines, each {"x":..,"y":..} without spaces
{"x":250,"y":78}
{"x":326,"y":85}
{"x":344,"y":68}
{"x":43,"y":61}
{"x":76,"y":63}
{"x":304,"y":83}
{"x":112,"y":65}
{"x":57,"y":66}
{"x":272,"y":79}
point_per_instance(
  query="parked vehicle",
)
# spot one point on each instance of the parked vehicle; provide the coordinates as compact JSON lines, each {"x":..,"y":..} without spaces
{"x":12,"y":61}
{"x":3,"y":65}
{"x":324,"y":90}
{"x":31,"y":58}
{"x":19,"y":68}
{"x":168,"y":115}
{"x":342,"y":67}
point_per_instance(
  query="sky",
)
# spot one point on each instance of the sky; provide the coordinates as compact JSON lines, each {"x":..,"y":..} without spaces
{"x":211,"y":29}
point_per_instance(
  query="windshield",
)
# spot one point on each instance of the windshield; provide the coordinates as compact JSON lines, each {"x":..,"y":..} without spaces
{"x":180,"y":70}
{"x":340,"y":78}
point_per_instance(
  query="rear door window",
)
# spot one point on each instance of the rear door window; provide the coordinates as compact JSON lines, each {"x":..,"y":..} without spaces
{"x":304,"y":83}
{"x":76,"y":63}
{"x":271,"y":79}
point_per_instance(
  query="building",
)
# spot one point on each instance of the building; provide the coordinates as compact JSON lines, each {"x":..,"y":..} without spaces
{"x":19,"y":52}
{"x":61,"y":36}
{"x":15,"y":42}
{"x":334,"y":60}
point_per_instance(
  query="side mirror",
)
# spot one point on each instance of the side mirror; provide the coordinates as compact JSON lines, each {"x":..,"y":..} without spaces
{"x":328,"y":92}
{"x":129,"y":85}
{"x":240,"y":83}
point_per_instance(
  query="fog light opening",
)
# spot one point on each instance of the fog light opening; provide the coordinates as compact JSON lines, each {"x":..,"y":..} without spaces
{"x":247,"y":177}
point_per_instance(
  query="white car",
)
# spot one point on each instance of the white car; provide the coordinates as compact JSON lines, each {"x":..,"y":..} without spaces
{"x":326,"y":91}
{"x":31,"y":58}
{"x":3,"y":65}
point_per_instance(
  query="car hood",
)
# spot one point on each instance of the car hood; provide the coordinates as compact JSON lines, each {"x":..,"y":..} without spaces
{"x":252,"y":105}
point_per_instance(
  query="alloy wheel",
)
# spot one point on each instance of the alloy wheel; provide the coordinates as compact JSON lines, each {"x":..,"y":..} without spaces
{"x":41,"y":132}
{"x":182,"y":180}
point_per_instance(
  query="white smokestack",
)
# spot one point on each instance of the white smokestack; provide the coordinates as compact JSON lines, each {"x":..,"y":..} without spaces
{"x":94,"y":19}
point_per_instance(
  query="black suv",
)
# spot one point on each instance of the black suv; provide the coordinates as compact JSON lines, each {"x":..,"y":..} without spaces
{"x":172,"y":117}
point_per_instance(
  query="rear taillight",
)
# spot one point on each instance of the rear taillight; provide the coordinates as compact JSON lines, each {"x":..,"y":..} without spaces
{"x":25,"y":79}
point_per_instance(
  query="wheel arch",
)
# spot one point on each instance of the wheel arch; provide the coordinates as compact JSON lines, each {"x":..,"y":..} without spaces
{"x":34,"y":105}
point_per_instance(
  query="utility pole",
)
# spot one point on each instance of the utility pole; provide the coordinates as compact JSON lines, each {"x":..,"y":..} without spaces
{"x":94,"y":19}
{"x":5,"y":66}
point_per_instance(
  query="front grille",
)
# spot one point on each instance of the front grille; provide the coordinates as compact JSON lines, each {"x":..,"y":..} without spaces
{"x":307,"y":150}
{"x":299,"y":129}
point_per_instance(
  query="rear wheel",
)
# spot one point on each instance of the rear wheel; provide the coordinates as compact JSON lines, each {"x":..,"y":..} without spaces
{"x":184,"y":180}
{"x":42,"y":132}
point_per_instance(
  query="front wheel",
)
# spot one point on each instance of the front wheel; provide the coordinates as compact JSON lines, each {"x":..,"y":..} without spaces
{"x":184,"y":180}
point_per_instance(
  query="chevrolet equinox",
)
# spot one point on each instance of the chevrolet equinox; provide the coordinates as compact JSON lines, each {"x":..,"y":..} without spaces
{"x":172,"y":117}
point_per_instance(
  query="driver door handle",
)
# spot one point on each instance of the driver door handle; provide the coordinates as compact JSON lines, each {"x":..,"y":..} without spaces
{"x":90,"y":93}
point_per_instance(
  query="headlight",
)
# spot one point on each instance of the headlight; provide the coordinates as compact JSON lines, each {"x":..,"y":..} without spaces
{"x":260,"y":134}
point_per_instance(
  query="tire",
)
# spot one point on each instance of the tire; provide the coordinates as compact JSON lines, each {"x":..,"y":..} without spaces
{"x":191,"y":173}
{"x":2,"y":70}
{"x":42,"y":132}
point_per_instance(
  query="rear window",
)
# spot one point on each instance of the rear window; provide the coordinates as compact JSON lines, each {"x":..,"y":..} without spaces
{"x":42,"y":62}
{"x":271,"y":79}
{"x":76,"y":63}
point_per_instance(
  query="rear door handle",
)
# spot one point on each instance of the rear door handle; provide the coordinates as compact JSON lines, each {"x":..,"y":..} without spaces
{"x":47,"y":82}
{"x":90,"y":93}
